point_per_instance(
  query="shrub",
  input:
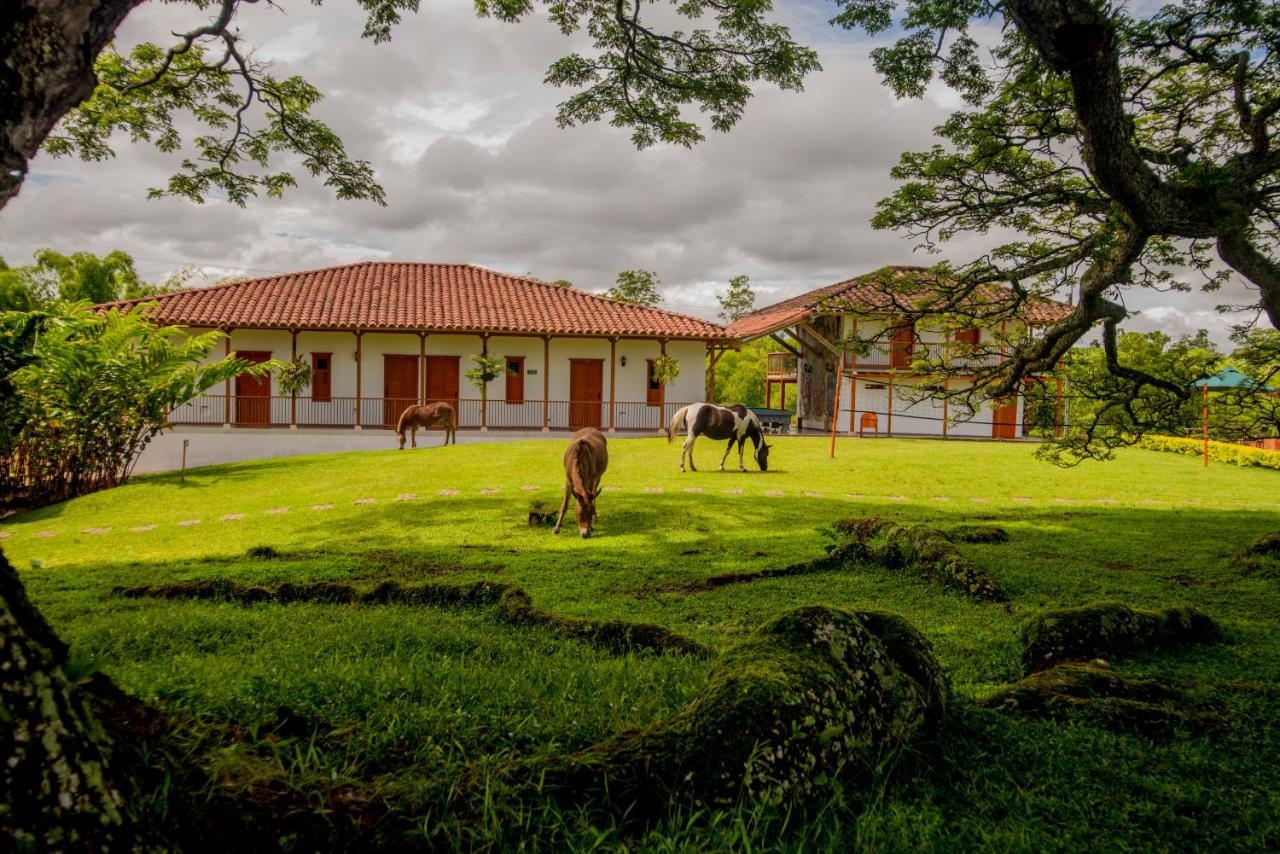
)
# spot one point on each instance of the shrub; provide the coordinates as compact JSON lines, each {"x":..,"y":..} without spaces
{"x":1222,"y":452}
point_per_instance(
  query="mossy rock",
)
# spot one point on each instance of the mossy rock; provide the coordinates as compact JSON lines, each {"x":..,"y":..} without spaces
{"x":937,"y":558}
{"x":978,"y":534}
{"x":1268,"y":545}
{"x":1108,"y":630}
{"x":813,"y":698}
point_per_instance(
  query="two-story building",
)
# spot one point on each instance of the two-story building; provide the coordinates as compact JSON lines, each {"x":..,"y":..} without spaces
{"x":854,"y":332}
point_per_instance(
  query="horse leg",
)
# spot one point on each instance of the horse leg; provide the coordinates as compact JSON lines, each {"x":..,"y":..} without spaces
{"x":688,"y":449}
{"x":413,"y":434}
{"x":401,"y":435}
{"x":741,"y":442}
{"x":727,"y":448}
{"x":564,"y":508}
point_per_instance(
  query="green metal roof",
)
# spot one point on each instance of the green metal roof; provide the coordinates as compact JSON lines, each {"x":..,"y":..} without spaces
{"x":1228,"y":379}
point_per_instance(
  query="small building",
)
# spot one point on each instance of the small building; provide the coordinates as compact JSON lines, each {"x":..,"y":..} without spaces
{"x":380,"y":336}
{"x":884,"y":390}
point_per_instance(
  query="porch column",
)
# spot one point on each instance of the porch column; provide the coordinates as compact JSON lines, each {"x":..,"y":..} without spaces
{"x":546,"y":383}
{"x":946,"y":385}
{"x":889,"y":430}
{"x":293,"y":395}
{"x":948,"y":346}
{"x":484,"y":393}
{"x":359,"y":376}
{"x":422,"y":367}
{"x":1057,"y":411}
{"x":662,"y":390}
{"x":226,"y":391}
{"x":613,"y":376}
{"x":853,"y":396}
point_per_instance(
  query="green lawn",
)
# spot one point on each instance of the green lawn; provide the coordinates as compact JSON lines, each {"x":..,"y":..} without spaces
{"x":399,"y":702}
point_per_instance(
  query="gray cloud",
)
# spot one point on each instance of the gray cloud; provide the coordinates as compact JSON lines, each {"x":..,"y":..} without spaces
{"x":455,"y":117}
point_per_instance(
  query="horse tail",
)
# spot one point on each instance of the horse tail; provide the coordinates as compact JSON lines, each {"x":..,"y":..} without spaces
{"x":403,"y":422}
{"x":677,"y":423}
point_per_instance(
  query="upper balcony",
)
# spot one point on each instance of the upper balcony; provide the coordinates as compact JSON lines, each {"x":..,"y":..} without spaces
{"x":899,"y":357}
{"x":781,"y":366}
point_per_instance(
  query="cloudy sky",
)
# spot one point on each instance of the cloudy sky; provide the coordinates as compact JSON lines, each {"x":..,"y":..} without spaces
{"x":455,"y":118}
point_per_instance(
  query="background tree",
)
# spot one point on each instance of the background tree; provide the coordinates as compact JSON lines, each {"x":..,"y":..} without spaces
{"x":486,"y":370}
{"x":639,"y":287}
{"x":738,"y":301}
{"x":80,"y":277}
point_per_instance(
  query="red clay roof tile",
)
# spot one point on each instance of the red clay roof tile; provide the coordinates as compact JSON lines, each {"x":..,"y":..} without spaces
{"x":387,"y":295}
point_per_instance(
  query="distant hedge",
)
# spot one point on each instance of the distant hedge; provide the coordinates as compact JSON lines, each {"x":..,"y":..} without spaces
{"x":1223,"y":452}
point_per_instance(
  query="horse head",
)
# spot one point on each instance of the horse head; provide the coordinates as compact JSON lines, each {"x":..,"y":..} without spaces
{"x":585,"y":508}
{"x":762,"y":454}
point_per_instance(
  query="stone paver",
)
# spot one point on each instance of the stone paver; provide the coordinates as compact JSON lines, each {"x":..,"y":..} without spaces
{"x":613,"y":489}
{"x":896,"y":497}
{"x":813,"y":495}
{"x":276,"y":511}
{"x":406,"y":496}
{"x":233,"y":517}
{"x":774,"y":493}
{"x":44,"y":535}
{"x":529,"y":487}
{"x":941,"y":498}
{"x":96,"y":530}
{"x":733,"y":492}
{"x":1105,"y":500}
{"x":980,"y":500}
{"x":854,"y":495}
{"x":1022,"y":499}
{"x":364,"y":500}
{"x":187,"y":523}
{"x":692,"y":489}
{"x":142,"y":529}
{"x":653,"y":490}
{"x":447,"y":492}
{"x":321,"y":506}
{"x":1063,"y":500}
{"x":4,"y":535}
{"x":490,"y":491}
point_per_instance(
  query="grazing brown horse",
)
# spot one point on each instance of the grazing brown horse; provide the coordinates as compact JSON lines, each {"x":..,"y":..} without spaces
{"x":427,"y":416}
{"x":584,"y":465}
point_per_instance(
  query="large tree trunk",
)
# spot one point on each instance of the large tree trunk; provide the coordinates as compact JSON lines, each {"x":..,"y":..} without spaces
{"x":47,"y":51}
{"x":56,"y":788}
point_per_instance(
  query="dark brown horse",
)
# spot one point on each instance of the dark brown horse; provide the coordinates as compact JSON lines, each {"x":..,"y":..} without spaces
{"x":584,"y":465}
{"x":735,"y":423}
{"x":427,"y":416}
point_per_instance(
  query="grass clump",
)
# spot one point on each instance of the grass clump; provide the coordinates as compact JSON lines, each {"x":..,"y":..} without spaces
{"x":1107,"y":630}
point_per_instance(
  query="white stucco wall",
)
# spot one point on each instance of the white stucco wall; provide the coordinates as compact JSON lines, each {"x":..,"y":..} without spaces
{"x":912,"y":414}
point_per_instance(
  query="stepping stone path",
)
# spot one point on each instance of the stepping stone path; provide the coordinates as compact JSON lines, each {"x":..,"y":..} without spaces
{"x":44,"y":535}
{"x":96,"y":530}
{"x":4,"y":535}
{"x":854,"y":495}
{"x":493,"y":491}
{"x":276,"y":511}
{"x":142,"y":529}
{"x":1063,"y":500}
{"x":896,"y":497}
{"x":445,"y":492}
{"x":364,"y":501}
{"x":733,"y":492}
{"x":613,"y":489}
{"x":187,"y":523}
{"x":1022,"y":499}
{"x":408,"y":496}
{"x":1105,"y":500}
{"x":941,"y":498}
{"x":653,"y":489}
{"x":321,"y":506}
{"x":230,"y":517}
{"x":692,"y":489}
{"x":981,"y":500}
{"x":774,"y":493}
{"x":813,"y":495}
{"x":529,"y":488}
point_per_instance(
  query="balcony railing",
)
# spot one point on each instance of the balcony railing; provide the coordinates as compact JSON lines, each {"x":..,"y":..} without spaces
{"x":902,"y":357}
{"x":781,"y":365}
{"x":383,"y":413}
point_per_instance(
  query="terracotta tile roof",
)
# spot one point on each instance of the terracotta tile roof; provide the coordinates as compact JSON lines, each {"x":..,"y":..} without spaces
{"x":387,"y":295}
{"x":880,"y":290}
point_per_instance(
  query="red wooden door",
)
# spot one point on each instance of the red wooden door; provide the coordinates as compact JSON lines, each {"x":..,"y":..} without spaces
{"x":321,"y":377}
{"x":586,"y":392}
{"x":253,"y":394}
{"x":442,"y":381}
{"x":902,"y":343}
{"x":1004,"y":420}
{"x":399,"y":386}
{"x":653,"y":388}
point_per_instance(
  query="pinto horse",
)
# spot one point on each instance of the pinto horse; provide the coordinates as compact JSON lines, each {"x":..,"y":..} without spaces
{"x":427,"y":416}
{"x":735,"y":423}
{"x":584,"y":465}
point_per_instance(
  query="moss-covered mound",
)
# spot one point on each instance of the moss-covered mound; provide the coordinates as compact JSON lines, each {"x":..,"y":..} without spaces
{"x":814,"y":696}
{"x":514,"y":607}
{"x":978,"y":534}
{"x":1107,"y":630}
{"x":1098,"y":693}
{"x":1268,"y":545}
{"x":925,"y":549}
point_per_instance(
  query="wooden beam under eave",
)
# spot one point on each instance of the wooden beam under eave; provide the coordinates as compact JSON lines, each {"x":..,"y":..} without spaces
{"x":818,"y":336}
{"x":786,"y":345}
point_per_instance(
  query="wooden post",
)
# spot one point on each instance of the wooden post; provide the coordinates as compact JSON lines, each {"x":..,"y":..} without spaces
{"x":662,"y":390}
{"x":422,"y":367}
{"x":613,"y":372}
{"x":1057,"y":411}
{"x":546,"y":382}
{"x":226,"y":390}
{"x":712,"y":357}
{"x":293,"y":395}
{"x":484,"y":389}
{"x":768,"y":391}
{"x":782,"y":390}
{"x":359,"y":375}
{"x":853,"y":394}
{"x":946,"y":420}
{"x":1204,"y":414}
{"x":835,"y":406}
{"x":889,"y":429}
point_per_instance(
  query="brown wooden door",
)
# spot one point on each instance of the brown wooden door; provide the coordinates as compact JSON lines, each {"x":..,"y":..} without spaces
{"x":515,"y":379}
{"x":902,"y":343}
{"x":586,"y":392}
{"x":442,"y":382}
{"x":653,"y":388}
{"x":321,"y":377}
{"x":253,"y":394}
{"x":1004,"y":420}
{"x":399,"y":386}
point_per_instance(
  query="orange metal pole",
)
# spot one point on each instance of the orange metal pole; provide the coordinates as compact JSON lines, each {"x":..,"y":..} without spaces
{"x":1204,"y":415}
{"x":835,"y":407}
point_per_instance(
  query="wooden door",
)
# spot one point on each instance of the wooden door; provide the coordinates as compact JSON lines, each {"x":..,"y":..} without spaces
{"x":586,"y":392}
{"x":253,"y":394}
{"x":902,"y":343}
{"x":321,"y":377}
{"x":442,"y":382}
{"x":1004,"y":420}
{"x":653,"y":388}
{"x":399,"y":386}
{"x":515,"y":379}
